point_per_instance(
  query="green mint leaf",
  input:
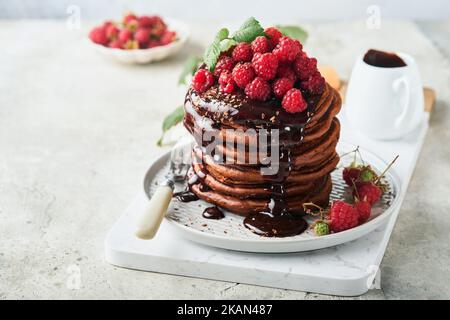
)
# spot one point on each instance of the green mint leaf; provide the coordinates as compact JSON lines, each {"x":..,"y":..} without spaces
{"x":189,"y":68}
{"x":294,"y":32}
{"x":171,"y":120}
{"x":226,"y":44}
{"x":248,"y":31}
{"x":222,"y":34}
{"x":211,"y":56}
{"x":212,"y":53}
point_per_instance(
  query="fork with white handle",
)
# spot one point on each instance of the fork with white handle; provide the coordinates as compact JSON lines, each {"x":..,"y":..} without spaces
{"x":151,"y":217}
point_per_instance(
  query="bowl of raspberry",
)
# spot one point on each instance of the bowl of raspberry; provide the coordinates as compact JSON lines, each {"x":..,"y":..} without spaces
{"x":139,"y":39}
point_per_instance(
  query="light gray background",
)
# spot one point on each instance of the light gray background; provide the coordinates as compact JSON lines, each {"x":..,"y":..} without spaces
{"x":77,"y":133}
{"x":230,"y":9}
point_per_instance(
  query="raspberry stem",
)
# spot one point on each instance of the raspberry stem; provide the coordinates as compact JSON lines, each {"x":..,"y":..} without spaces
{"x":386,"y":170}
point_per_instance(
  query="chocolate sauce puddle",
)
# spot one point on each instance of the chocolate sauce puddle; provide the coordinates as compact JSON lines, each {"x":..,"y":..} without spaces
{"x":213,"y":213}
{"x":185,"y":196}
{"x":268,"y":225}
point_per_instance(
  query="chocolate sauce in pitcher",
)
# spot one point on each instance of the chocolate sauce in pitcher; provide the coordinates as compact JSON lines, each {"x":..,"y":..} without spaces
{"x":383,"y":59}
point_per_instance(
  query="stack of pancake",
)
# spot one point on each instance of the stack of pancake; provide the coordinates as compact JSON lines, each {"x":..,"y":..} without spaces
{"x":306,"y":146}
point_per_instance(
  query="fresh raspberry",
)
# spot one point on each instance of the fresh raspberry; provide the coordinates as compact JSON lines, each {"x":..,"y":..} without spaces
{"x":315,"y":84}
{"x":274,"y":36}
{"x":115,"y":44}
{"x":142,"y":36}
{"x":224,"y":63}
{"x":167,"y":37}
{"x":265,"y":65}
{"x":226,"y":82}
{"x":158,"y":26}
{"x":260,"y":45}
{"x":305,"y":67}
{"x":106,"y":24}
{"x":153,"y":43}
{"x":343,"y":216}
{"x":98,"y":35}
{"x":321,"y":228}
{"x":293,"y":101}
{"x":145,"y":22}
{"x":285,"y":71}
{"x":287,"y":49}
{"x":129,"y":18}
{"x":202,"y":80}
{"x":364,"y":208}
{"x":281,"y":86}
{"x":258,"y":89}
{"x":368,"y":191}
{"x":243,"y":73}
{"x":125,"y":35}
{"x":351,"y":175}
{"x":112,"y":32}
{"x":242,"y":52}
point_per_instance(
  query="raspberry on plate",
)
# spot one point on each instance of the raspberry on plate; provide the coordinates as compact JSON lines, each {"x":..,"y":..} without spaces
{"x":351,"y":175}
{"x":98,"y":35}
{"x":281,"y":86}
{"x":125,"y":35}
{"x":343,"y":216}
{"x":115,"y":44}
{"x":226,"y":82}
{"x":242,"y":52}
{"x":130,"y":17}
{"x":265,"y":65}
{"x":364,"y":209}
{"x":368,"y":191}
{"x":287,"y":49}
{"x":258,"y":89}
{"x":142,"y":36}
{"x":243,"y":73}
{"x":224,"y":63}
{"x":293,"y":101}
{"x":274,"y":36}
{"x":260,"y":45}
{"x":202,"y":80}
{"x":112,"y":31}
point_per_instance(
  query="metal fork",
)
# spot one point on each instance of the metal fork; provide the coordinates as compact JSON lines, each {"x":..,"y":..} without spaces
{"x":180,"y":160}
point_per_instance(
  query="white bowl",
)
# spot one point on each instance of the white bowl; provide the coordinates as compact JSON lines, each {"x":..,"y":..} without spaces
{"x":142,"y":56}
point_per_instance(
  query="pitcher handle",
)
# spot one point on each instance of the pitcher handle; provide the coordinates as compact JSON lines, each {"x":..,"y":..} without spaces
{"x":402,"y":82}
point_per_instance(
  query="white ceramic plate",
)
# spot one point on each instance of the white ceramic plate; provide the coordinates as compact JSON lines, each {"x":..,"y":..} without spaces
{"x":230,"y":233}
{"x":142,"y":56}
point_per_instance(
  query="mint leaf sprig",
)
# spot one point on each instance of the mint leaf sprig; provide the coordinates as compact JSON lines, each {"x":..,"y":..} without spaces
{"x":172,"y":119}
{"x":294,"y":32}
{"x":247,"y":32}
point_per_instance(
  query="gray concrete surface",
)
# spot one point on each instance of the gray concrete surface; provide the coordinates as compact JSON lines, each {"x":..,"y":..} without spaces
{"x":77,"y":133}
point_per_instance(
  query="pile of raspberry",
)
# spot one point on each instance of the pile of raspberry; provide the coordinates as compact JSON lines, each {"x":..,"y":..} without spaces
{"x":133,"y":32}
{"x":271,"y":67}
